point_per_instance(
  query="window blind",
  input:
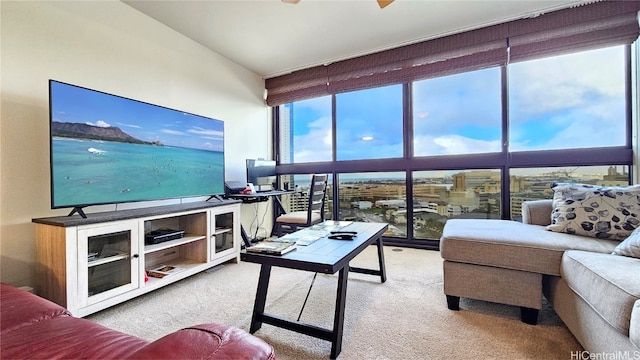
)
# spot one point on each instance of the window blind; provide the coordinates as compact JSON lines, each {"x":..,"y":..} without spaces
{"x":303,"y":84}
{"x":438,"y":57}
{"x":585,"y":27}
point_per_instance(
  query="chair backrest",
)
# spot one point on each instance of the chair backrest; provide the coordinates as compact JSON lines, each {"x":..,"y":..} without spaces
{"x":317,"y":194}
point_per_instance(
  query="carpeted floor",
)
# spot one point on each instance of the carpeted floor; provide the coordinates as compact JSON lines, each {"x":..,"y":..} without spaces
{"x":403,"y":318}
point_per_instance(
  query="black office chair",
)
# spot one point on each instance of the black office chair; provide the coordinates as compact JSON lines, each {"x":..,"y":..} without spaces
{"x":290,"y":222}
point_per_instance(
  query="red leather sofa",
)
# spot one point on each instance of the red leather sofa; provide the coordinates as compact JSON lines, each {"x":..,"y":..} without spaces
{"x":34,"y":328}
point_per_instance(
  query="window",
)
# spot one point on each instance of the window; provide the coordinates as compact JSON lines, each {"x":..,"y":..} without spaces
{"x":458,"y":114}
{"x":442,"y":195}
{"x":305,"y":131}
{"x":375,"y":197}
{"x":535,"y":183}
{"x":369,"y":124}
{"x":561,"y":120}
{"x":569,"y":101}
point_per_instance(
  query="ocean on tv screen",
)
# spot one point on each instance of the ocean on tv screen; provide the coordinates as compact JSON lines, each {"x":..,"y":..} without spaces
{"x":97,"y":172}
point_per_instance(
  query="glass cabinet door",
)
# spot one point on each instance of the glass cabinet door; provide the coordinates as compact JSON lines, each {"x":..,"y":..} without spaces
{"x":223,"y":234}
{"x":108,"y":261}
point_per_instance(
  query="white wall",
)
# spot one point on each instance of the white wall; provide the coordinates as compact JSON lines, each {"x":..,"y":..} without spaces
{"x":111,"y":47}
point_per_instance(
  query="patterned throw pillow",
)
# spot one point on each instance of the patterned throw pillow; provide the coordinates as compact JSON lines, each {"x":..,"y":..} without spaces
{"x":590,"y":210}
{"x":630,"y":246}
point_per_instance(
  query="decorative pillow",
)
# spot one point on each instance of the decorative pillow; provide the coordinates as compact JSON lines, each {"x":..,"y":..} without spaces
{"x":590,"y":210}
{"x":630,"y":246}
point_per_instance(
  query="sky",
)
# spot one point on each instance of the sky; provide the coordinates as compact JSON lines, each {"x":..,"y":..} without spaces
{"x":141,"y":120}
{"x":568,"y":101}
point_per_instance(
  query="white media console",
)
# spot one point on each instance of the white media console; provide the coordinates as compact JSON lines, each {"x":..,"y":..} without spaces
{"x":89,"y":264}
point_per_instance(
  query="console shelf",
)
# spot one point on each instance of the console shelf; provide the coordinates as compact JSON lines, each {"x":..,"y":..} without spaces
{"x":185,"y":265}
{"x":171,"y":243}
{"x":89,"y":264}
{"x":102,"y":261}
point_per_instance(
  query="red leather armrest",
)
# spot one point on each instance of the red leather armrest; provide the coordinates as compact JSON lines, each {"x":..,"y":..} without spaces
{"x":207,"y":341}
{"x":20,"y":308}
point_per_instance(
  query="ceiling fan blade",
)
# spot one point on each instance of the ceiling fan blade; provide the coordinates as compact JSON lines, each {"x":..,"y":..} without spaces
{"x":381,"y":3}
{"x":384,"y":3}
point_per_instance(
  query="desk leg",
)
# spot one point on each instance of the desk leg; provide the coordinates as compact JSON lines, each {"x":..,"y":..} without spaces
{"x":261,"y":298}
{"x":245,"y":237}
{"x":278,"y":210}
{"x":338,"y":319}
{"x":383,"y":270}
{"x":278,"y":206}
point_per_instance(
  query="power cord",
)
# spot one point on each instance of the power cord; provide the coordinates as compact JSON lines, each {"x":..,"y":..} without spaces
{"x":258,"y":223}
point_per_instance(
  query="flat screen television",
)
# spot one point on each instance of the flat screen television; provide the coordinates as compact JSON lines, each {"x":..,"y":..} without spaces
{"x":108,"y":149}
{"x":261,"y":172}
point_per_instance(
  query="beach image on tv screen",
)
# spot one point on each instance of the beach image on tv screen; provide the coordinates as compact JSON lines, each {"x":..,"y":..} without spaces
{"x":110,"y":149}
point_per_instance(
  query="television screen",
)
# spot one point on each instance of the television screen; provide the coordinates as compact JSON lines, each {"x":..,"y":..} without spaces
{"x":109,"y":149}
{"x":261,"y":172}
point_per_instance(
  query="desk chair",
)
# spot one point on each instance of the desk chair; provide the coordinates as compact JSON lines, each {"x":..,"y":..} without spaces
{"x":290,"y":222}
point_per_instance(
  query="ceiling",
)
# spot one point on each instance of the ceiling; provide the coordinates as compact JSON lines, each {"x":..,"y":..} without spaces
{"x":270,"y":37}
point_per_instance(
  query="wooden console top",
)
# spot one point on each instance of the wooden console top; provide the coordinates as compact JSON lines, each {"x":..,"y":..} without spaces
{"x":93,"y":218}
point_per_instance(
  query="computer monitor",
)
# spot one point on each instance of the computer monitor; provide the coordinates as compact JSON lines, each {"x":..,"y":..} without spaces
{"x":261,"y":173}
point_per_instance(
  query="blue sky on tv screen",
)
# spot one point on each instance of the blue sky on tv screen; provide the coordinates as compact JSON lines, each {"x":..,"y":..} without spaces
{"x":141,"y":120}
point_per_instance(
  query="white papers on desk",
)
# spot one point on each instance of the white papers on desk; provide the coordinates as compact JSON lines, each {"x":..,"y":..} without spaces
{"x":309,"y":235}
{"x":302,"y":237}
{"x":330,"y":225}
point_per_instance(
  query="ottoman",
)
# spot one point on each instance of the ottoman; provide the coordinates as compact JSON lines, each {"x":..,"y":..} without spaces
{"x":504,"y":261}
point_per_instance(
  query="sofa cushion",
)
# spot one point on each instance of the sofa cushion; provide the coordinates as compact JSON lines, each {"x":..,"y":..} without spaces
{"x":634,"y":329}
{"x":596,"y":211}
{"x":537,"y":212}
{"x":609,"y":284}
{"x":630,"y":246}
{"x":513,"y":245}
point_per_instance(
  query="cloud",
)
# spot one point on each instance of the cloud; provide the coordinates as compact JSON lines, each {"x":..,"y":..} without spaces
{"x":447,"y":104}
{"x":554,"y":103}
{"x":453,"y":145}
{"x":561,"y":82}
{"x":131,"y":125}
{"x":206,"y":132}
{"x":589,"y":132}
{"x":316,"y":144}
{"x":99,"y":123}
{"x":173,"y":132}
{"x":211,"y":146}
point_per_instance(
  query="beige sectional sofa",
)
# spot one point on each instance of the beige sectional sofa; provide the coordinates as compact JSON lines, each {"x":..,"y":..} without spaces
{"x":595,"y":293}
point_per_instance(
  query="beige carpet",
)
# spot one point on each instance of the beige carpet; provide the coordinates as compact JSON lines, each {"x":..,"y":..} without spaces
{"x":404,"y":318}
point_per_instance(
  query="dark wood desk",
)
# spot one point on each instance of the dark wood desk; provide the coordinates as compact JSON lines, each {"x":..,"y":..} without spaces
{"x":259,"y":197}
{"x":324,"y":256}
